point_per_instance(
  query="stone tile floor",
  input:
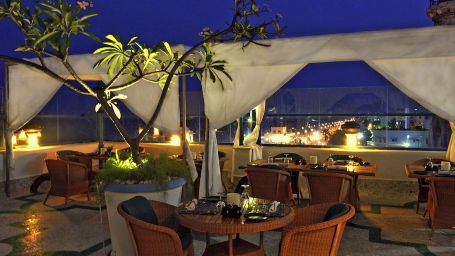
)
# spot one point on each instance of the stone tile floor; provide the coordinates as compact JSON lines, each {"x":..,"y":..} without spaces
{"x":29,"y":228}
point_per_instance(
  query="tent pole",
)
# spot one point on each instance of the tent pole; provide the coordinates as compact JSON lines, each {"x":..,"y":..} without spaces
{"x":184,"y":118}
{"x":6,"y":137}
{"x":206,"y":156}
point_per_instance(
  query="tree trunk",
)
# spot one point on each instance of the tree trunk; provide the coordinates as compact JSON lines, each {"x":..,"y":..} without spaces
{"x":135,"y":152}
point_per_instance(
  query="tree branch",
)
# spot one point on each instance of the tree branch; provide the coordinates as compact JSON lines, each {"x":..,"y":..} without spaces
{"x":125,"y":85}
{"x":76,"y":77}
{"x":119,"y":73}
{"x":100,"y":96}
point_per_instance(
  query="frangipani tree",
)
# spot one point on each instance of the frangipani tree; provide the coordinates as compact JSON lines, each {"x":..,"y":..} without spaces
{"x":50,"y":29}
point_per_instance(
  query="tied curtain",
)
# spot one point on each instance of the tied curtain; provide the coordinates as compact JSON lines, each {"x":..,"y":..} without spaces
{"x":252,"y":138}
{"x":420,"y":62}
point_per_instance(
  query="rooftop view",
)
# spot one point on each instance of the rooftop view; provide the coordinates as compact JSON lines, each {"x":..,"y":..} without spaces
{"x":241,"y":127}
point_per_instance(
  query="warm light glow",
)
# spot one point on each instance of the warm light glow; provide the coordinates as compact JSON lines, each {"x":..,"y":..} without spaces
{"x":351,"y":140}
{"x":22,"y":135}
{"x":175,"y":140}
{"x":14,"y":140}
{"x":33,"y":140}
{"x":156,"y":132}
{"x":140,"y":130}
{"x":189,"y":136}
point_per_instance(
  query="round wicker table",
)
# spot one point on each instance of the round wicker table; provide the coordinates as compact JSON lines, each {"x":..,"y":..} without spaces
{"x":218,"y":225}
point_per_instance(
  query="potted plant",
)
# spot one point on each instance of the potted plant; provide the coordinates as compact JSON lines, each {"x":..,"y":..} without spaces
{"x":159,"y":179}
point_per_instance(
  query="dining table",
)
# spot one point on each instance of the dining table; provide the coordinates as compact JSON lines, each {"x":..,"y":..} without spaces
{"x":217,"y":224}
{"x":418,"y":171}
{"x":89,"y":157}
{"x":341,"y":167}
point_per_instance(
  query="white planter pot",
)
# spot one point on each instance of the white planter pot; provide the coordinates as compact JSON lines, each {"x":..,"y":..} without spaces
{"x":116,"y":193}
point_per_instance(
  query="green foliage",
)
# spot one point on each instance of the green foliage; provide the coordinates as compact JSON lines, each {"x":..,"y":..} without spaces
{"x":48,"y":23}
{"x":139,"y":61}
{"x":152,"y":171}
{"x":112,"y":103}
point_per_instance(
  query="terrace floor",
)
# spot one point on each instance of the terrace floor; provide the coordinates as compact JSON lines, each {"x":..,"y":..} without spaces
{"x":80,"y":228}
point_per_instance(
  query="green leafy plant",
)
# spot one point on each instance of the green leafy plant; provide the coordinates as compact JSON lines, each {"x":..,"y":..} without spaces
{"x":151,"y":171}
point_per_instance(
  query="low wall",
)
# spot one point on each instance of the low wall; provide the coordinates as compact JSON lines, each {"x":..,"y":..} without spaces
{"x":387,"y":186}
{"x":29,"y":162}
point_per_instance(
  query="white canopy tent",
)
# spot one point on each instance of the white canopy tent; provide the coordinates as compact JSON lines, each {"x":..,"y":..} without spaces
{"x":420,"y":62}
{"x":29,"y":90}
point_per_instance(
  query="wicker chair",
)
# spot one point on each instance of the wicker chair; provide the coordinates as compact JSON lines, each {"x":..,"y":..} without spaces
{"x":67,"y":179}
{"x":329,"y":186}
{"x":269,"y":184}
{"x":161,"y":239}
{"x":442,"y":206}
{"x":308,"y":234}
{"x":295,"y":176}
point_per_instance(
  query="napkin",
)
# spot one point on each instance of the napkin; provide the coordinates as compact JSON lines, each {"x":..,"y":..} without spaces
{"x":274,"y":206}
{"x":192,"y":205}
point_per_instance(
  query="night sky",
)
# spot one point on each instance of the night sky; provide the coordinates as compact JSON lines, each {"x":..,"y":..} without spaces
{"x":179,"y":22}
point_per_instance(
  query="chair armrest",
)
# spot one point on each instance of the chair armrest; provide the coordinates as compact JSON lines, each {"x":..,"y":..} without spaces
{"x":165,"y":215}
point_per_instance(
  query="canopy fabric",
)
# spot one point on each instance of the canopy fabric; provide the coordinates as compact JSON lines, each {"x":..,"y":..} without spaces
{"x":249,"y":87}
{"x":29,"y":92}
{"x":428,"y":81}
{"x":252,"y":138}
{"x":427,"y":42}
{"x":255,"y":69}
{"x":142,"y":99}
{"x":41,"y":88}
{"x":418,"y":61}
{"x":214,"y":175}
{"x":189,"y":159}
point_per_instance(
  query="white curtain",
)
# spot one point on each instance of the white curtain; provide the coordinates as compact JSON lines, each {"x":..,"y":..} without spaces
{"x":251,"y":139}
{"x":428,"y":81}
{"x":214,"y":175}
{"x":249,"y":87}
{"x":190,"y":161}
{"x":450,"y":155}
{"x":39,"y":89}
{"x":29,"y":91}
{"x":142,"y":99}
{"x":407,"y":57}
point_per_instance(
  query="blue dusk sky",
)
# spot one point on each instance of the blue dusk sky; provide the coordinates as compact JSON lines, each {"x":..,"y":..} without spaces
{"x":180,"y":21}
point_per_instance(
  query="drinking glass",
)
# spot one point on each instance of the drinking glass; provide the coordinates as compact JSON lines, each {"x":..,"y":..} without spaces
{"x":330,"y":160}
{"x":269,"y":158}
{"x":286,"y":159}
